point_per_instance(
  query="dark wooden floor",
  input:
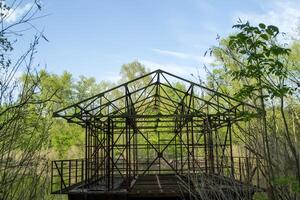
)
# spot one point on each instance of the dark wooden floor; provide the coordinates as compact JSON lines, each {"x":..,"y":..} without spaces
{"x":145,"y":187}
{"x":165,"y":187}
{"x":157,"y":186}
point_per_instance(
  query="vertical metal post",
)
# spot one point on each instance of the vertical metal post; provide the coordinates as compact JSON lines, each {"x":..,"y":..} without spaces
{"x":210,"y":146}
{"x":147,"y":149}
{"x":193,"y":148}
{"x":240,"y":169}
{"x":88,"y":168}
{"x":102,"y":153}
{"x":112,"y":153}
{"x":136,"y":152}
{"x":96,"y":151}
{"x":108,"y":156}
{"x":181,"y":144}
{"x":176,"y":155}
{"x":159,"y":159}
{"x":205,"y":145}
{"x":52,"y":176}
{"x":217,"y":152}
{"x":62,"y":174}
{"x":127,"y":153}
{"x":76,"y":168}
{"x":257,"y":169}
{"x":231,"y":151}
{"x":188,"y":145}
{"x":70,"y":167}
{"x":82,"y":170}
{"x":86,"y":153}
{"x":129,"y":150}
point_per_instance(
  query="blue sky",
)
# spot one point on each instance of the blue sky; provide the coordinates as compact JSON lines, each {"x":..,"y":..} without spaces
{"x":95,"y":37}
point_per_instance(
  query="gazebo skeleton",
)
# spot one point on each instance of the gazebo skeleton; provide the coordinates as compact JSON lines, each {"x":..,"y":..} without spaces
{"x":149,"y":126}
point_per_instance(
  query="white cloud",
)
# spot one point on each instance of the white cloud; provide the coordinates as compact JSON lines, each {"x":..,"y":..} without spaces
{"x":13,"y":15}
{"x":180,"y":70}
{"x":186,"y":56}
{"x":173,"y":68}
{"x":284,"y":14}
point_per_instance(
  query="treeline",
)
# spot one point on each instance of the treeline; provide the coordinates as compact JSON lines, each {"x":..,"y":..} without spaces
{"x":254,"y":65}
{"x":67,"y":140}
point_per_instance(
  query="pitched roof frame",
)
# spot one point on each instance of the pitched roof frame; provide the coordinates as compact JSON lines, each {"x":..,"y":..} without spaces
{"x":154,"y":88}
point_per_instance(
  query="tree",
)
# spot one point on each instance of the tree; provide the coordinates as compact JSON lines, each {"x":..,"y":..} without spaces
{"x":23,"y":126}
{"x":254,"y":58}
{"x":67,"y":140}
{"x":132,"y":70}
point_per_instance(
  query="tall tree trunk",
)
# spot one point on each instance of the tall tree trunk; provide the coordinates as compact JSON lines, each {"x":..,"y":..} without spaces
{"x":266,"y":142}
{"x":288,"y":138}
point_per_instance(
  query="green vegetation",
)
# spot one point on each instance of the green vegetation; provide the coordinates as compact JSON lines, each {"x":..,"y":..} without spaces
{"x":252,"y":65}
{"x":257,"y":68}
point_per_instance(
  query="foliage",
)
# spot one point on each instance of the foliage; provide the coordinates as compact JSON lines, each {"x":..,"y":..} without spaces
{"x":23,"y":123}
{"x":262,"y":59}
{"x":132,"y":70}
{"x":260,"y":196}
{"x":253,"y":65}
{"x":288,"y":182}
{"x":265,"y":73}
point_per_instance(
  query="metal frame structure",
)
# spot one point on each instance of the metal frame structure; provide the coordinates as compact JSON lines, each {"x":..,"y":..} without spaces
{"x":156,"y":124}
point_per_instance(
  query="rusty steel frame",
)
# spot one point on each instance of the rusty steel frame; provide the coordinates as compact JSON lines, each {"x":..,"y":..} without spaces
{"x":177,"y":130}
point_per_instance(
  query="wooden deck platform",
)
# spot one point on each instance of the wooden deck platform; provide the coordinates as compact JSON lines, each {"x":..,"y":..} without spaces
{"x":155,"y":186}
{"x":144,"y":187}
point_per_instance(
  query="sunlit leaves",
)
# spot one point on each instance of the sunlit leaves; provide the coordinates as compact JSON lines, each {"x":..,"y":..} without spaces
{"x":259,"y":57}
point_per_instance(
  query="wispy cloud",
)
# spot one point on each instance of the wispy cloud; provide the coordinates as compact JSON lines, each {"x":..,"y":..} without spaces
{"x":284,"y":14}
{"x":180,"y":70}
{"x":186,"y":56}
{"x":12,"y":15}
{"x":173,"y":68}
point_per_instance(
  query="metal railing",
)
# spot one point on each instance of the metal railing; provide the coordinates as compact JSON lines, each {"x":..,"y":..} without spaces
{"x":66,"y":174}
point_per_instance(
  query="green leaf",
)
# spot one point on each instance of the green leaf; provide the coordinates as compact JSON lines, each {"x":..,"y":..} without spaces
{"x":262,"y":26}
{"x":264,"y":36}
{"x":273,"y":28}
